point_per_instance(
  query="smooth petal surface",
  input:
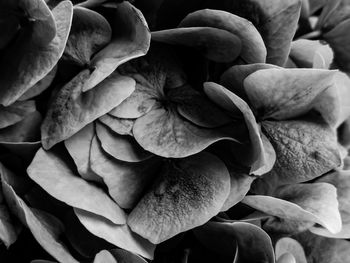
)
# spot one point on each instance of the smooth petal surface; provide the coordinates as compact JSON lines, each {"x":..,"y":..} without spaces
{"x":104,"y":256}
{"x":130,"y":39}
{"x":253,"y":47}
{"x":78,"y":147}
{"x":290,"y":245}
{"x":165,"y":133}
{"x":119,"y":235}
{"x":278,"y":27}
{"x":253,"y":244}
{"x":55,"y":177}
{"x":340,"y":44}
{"x":121,"y":147}
{"x":304,"y":149}
{"x":187,"y":194}
{"x":118,"y":125}
{"x":30,"y":61}
{"x":316,"y":203}
{"x":126,"y":182}
{"x":40,"y":86}
{"x":9,"y":229}
{"x":90,"y":32}
{"x":15,"y":112}
{"x":285,"y":93}
{"x":333,"y":103}
{"x":215,"y":44}
{"x":72,"y":108}
{"x":45,"y":229}
{"x":341,"y":180}
{"x":240,"y":185}
{"x":233,"y":78}
{"x":311,"y":54}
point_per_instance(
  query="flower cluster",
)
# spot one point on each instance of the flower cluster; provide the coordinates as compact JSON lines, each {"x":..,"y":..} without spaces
{"x":176,"y":131}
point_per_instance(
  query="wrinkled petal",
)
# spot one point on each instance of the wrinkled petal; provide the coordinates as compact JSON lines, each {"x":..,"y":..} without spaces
{"x":304,"y":149}
{"x":187,"y":194}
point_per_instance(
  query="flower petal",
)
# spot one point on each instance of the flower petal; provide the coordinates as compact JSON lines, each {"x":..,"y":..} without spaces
{"x":15,"y":112}
{"x":131,"y":42}
{"x":121,"y":147}
{"x":72,"y":108}
{"x":304,"y":149}
{"x":188,"y":193}
{"x":297,"y":204}
{"x":126,"y":182}
{"x":118,"y":235}
{"x":78,"y":147}
{"x":290,"y":245}
{"x":118,"y":125}
{"x":31,"y":61}
{"x":27,"y":130}
{"x":253,"y":47}
{"x":233,"y":78}
{"x":197,"y":108}
{"x":341,"y":180}
{"x":165,"y":133}
{"x":40,"y":86}
{"x":252,"y":243}
{"x":286,"y":93}
{"x":56,"y":178}
{"x":104,"y":256}
{"x":215,"y":44}
{"x":277,"y":28}
{"x":262,"y":155}
{"x":340,"y":44}
{"x":45,"y":229}
{"x":90,"y":32}
{"x":311,"y":54}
